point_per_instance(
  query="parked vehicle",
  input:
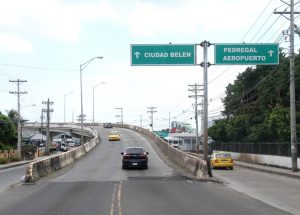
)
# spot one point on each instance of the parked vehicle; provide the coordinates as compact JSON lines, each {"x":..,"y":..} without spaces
{"x":64,"y":147}
{"x":135,"y":157}
{"x":70,"y":142}
{"x":77,"y":142}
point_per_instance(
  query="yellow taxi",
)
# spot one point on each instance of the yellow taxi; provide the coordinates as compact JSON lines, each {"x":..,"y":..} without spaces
{"x":114,"y":136}
{"x":221,"y":160}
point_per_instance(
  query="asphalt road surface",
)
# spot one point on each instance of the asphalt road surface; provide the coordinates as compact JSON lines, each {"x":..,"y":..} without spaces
{"x":11,"y":177}
{"x":280,"y":191}
{"x":97,"y":185}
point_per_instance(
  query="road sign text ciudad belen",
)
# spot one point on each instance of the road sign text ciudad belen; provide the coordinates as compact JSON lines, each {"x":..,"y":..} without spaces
{"x":167,"y":55}
{"x":258,"y":54}
{"x":164,"y":54}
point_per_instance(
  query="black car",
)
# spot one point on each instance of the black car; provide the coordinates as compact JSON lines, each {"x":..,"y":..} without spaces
{"x":107,"y":125}
{"x":135,"y":157}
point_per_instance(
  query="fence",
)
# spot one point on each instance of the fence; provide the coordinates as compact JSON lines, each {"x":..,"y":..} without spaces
{"x":8,"y":154}
{"x":280,"y":149}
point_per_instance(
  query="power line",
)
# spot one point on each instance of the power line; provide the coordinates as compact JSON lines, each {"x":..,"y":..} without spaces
{"x":256,"y":20}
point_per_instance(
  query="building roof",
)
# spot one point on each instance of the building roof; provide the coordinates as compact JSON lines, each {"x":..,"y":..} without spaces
{"x":183,"y":135}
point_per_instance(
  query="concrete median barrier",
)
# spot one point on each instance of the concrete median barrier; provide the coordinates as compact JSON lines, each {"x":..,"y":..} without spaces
{"x":38,"y":169}
{"x":193,"y":165}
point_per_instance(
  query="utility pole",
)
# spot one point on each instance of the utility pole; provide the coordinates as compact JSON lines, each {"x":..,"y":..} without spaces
{"x":18,"y":81}
{"x":292,"y":85}
{"x":48,"y":110}
{"x":196,"y":89}
{"x":141,"y":120}
{"x":152,"y":110}
{"x":42,"y":121}
{"x":169,"y":123}
{"x":121,"y":109}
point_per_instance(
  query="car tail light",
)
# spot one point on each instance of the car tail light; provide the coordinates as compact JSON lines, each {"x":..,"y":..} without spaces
{"x":216,"y":161}
{"x":126,"y":157}
{"x":231,"y":161}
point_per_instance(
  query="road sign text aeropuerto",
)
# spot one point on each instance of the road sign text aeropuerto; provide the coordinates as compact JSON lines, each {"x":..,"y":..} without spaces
{"x":247,"y":54}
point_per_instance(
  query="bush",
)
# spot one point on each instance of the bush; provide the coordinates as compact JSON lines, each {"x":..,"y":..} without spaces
{"x":28,"y":151}
{"x":3,"y":160}
{"x":14,"y":159}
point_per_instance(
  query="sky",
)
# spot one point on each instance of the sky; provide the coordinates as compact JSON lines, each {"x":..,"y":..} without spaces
{"x":45,"y":42}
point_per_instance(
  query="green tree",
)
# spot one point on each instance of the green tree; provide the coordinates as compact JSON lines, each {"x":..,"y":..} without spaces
{"x":8,"y":131}
{"x":13,"y":116}
{"x":256,"y":105}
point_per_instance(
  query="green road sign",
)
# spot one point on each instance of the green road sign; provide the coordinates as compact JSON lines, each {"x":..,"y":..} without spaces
{"x":247,"y":54}
{"x":163,"y":55}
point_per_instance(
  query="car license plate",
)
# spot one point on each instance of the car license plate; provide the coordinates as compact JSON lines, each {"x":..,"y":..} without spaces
{"x":134,"y":164}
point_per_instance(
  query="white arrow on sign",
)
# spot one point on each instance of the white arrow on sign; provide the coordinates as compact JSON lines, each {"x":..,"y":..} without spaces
{"x":271,"y":52}
{"x":137,"y":54}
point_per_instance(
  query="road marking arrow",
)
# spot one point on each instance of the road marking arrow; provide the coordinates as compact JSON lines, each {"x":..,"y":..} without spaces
{"x":271,"y":52}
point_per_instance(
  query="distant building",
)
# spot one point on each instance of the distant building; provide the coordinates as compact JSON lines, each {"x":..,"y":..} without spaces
{"x":186,"y":141}
{"x":179,"y":127}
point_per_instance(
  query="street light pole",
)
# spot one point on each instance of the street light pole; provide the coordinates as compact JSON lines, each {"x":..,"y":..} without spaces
{"x":121,"y":109}
{"x":65,"y":105}
{"x":82,"y":67}
{"x":94,"y":100}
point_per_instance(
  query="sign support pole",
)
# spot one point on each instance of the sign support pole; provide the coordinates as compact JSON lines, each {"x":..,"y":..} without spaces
{"x":205,"y":65}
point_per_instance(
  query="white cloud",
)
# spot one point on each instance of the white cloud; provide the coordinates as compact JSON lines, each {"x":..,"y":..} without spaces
{"x":149,"y":19}
{"x":14,"y":44}
{"x":54,"y":18}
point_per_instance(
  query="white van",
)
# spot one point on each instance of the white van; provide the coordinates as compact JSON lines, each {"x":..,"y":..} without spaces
{"x":70,"y":143}
{"x":173,"y":141}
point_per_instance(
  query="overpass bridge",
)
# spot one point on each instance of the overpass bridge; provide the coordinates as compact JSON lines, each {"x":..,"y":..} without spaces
{"x":58,"y":128}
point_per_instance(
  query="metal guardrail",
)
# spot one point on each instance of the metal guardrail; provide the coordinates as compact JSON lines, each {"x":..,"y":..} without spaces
{"x":279,"y":149}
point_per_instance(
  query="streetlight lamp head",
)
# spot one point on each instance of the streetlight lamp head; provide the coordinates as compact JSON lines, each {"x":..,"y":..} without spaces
{"x":99,"y":57}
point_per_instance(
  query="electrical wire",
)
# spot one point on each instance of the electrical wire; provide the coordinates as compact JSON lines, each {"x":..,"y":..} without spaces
{"x":258,"y":18}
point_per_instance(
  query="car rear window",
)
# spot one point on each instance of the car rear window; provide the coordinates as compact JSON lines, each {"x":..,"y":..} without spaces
{"x":225,"y":155}
{"x":135,"y":151}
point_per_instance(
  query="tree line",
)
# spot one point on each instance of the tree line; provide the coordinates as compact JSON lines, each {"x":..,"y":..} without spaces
{"x":8,"y":130}
{"x":257,"y":105}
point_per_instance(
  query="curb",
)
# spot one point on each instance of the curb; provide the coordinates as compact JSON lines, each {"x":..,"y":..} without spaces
{"x":15,"y":165}
{"x":269,"y":171}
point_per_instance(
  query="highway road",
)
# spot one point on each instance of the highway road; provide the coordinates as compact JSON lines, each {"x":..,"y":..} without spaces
{"x":280,"y":191}
{"x":11,"y":177}
{"x":97,"y":185}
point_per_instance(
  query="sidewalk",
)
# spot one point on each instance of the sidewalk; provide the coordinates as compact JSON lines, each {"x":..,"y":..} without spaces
{"x":20,"y":163}
{"x":269,"y":169}
{"x":14,"y":164}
